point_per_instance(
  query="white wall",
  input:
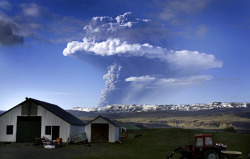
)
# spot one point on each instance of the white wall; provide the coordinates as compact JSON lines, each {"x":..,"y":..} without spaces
{"x":113,"y":131}
{"x":88,"y":131}
{"x":50,"y":119}
{"x":117,"y":133}
{"x":10,"y":118}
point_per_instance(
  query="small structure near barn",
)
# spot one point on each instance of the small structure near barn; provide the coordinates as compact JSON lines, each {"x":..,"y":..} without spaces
{"x":35,"y":119}
{"x":129,"y":127}
{"x":141,"y":126}
{"x":102,"y":129}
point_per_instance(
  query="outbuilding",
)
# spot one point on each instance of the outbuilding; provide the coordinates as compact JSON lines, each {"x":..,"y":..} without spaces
{"x":102,"y":129}
{"x":129,"y":127}
{"x":34,"y":119}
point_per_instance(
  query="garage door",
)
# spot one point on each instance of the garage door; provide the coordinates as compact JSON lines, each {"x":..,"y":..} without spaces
{"x":99,"y":132}
{"x":28,"y":128}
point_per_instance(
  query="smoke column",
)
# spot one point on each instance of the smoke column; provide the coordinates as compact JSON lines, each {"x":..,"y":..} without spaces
{"x":138,"y":63}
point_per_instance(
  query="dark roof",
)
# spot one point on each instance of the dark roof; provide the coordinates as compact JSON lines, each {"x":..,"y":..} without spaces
{"x":66,"y":116}
{"x":71,"y":119}
{"x":107,"y":119}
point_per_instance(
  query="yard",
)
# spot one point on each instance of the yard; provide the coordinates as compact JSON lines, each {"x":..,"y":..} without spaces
{"x":154,"y":144}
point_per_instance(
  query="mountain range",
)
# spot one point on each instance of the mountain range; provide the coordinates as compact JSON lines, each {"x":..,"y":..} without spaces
{"x":134,"y":108}
{"x":216,"y":115}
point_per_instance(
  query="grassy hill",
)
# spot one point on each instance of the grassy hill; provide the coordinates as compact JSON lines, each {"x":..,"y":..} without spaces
{"x":188,"y":120}
{"x":207,"y":121}
{"x":158,"y":143}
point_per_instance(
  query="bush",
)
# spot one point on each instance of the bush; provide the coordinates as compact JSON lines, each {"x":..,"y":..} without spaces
{"x":230,"y":129}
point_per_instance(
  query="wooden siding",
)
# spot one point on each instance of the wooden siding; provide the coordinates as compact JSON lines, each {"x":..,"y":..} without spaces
{"x":117,"y":133}
{"x":88,"y":132}
{"x":29,"y":109}
{"x":9,"y":118}
{"x":50,"y":119}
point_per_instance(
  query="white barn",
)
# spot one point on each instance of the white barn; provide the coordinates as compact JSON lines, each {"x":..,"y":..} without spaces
{"x":34,"y":119}
{"x":101,"y":129}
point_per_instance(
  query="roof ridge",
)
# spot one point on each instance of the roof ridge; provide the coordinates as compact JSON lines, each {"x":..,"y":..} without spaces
{"x":55,"y":109}
{"x":107,"y":119}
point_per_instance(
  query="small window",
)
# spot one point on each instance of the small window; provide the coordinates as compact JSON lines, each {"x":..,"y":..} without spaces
{"x":47,"y":130}
{"x":208,"y":141}
{"x":9,"y":130}
{"x":199,"y":142}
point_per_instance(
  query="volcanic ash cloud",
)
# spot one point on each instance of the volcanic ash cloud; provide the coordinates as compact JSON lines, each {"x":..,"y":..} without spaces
{"x":138,"y":63}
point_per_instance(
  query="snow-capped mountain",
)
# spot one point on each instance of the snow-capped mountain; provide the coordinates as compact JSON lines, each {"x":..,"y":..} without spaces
{"x":118,"y":108}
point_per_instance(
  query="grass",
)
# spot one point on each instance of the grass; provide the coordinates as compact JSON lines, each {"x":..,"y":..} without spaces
{"x":158,"y":143}
{"x":209,"y":121}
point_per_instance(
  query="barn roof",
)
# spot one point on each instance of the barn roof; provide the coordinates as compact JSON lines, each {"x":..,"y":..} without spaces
{"x":107,"y":119}
{"x":58,"y":111}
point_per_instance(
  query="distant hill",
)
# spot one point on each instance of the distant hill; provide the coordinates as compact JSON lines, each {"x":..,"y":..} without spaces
{"x":118,"y":109}
{"x":216,"y":115}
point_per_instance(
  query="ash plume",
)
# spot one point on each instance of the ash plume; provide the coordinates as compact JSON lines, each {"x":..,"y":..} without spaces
{"x":138,"y":61}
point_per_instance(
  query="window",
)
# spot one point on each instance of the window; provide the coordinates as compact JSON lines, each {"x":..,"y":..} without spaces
{"x":208,"y":141}
{"x":47,"y":130}
{"x":9,"y":130}
{"x":199,"y":142}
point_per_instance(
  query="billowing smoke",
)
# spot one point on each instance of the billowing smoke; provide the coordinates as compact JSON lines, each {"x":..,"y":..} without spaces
{"x":112,"y":84}
{"x":138,"y":62}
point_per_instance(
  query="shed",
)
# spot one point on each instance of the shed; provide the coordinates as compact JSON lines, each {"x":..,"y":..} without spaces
{"x":102,"y":129}
{"x":34,"y":119}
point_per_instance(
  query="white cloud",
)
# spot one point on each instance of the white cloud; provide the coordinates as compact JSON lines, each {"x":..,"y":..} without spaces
{"x":5,"y":5}
{"x":125,"y":27}
{"x":28,"y":21}
{"x":193,"y":60}
{"x":184,"y":59}
{"x":202,"y":30}
{"x":173,"y":11}
{"x":157,"y":82}
{"x":108,"y":24}
{"x":152,"y":86}
{"x":184,"y":81}
{"x":32,"y":10}
{"x":112,"y":47}
{"x":146,"y":78}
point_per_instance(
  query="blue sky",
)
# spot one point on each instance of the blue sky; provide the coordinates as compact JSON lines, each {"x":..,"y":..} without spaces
{"x":88,"y":53}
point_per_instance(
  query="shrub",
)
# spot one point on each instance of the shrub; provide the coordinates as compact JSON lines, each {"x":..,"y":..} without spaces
{"x":230,"y":129}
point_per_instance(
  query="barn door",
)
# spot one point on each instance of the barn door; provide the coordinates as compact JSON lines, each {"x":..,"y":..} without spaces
{"x":28,"y":128}
{"x":55,"y":132}
{"x":99,"y":132}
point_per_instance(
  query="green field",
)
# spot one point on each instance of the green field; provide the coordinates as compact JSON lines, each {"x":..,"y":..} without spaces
{"x":187,"y":120}
{"x":158,"y":143}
